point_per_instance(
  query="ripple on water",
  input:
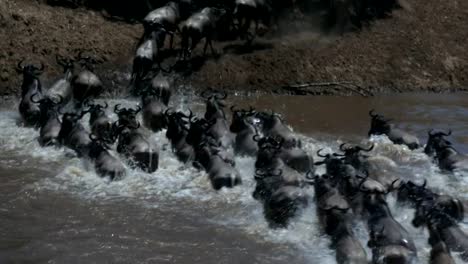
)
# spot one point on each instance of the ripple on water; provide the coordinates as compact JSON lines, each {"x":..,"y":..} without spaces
{"x":234,"y":208}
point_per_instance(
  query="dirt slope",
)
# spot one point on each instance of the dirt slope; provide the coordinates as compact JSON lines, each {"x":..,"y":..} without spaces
{"x":421,"y":48}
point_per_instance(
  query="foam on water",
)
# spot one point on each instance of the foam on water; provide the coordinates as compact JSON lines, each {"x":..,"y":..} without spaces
{"x":234,"y":208}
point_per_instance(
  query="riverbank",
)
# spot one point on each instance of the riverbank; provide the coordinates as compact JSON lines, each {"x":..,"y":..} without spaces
{"x":421,"y":48}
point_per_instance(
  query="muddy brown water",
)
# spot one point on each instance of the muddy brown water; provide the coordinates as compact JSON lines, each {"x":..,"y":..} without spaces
{"x":54,"y":209}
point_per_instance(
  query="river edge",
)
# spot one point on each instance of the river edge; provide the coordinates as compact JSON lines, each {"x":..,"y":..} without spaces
{"x":413,"y":51}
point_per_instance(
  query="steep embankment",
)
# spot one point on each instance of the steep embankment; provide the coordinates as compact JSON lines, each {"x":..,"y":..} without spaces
{"x":421,"y":48}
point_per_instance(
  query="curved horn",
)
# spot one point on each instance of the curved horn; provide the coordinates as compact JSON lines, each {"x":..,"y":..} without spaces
{"x":233,"y":108}
{"x":364,"y":179}
{"x":20,"y":65}
{"x":430,"y":132}
{"x":342,"y":147}
{"x":372,"y":114}
{"x":32,"y":98}
{"x":392,"y":187}
{"x":339,"y":155}
{"x":256,"y":138}
{"x":93,"y":137}
{"x":447,"y":134}
{"x":366,"y":150}
{"x":320,"y":155}
{"x":190,"y":114}
{"x":207,"y":94}
{"x":335,"y":208}
{"x":137,"y":110}
{"x":60,"y":101}
{"x":117,"y":109}
{"x":170,"y":109}
{"x":105,"y":105}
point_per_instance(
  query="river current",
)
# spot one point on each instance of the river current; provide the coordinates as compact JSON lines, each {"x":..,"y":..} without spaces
{"x":55,"y":209}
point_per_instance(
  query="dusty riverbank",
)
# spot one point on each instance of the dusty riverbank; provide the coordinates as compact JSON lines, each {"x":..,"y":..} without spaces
{"x":421,"y":48}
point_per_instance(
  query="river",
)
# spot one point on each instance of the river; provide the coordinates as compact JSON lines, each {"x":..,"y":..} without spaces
{"x":55,"y":209}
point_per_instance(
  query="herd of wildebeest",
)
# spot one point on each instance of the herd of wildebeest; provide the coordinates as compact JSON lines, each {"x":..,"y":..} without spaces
{"x":234,"y":19}
{"x":284,"y":171}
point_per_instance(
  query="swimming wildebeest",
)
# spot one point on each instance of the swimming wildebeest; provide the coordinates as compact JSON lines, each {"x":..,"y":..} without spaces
{"x":30,"y":111}
{"x":382,"y":126}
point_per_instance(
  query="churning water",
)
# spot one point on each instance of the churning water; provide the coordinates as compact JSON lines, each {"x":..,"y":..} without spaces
{"x":55,"y":209}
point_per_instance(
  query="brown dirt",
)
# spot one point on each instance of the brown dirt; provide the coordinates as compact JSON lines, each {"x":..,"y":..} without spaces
{"x":421,"y":48}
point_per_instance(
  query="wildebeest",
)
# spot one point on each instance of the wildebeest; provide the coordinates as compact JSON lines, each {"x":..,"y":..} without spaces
{"x":49,"y":121}
{"x":336,"y":219}
{"x":382,"y":126}
{"x":146,"y":56}
{"x":164,"y":19}
{"x":62,"y":87}
{"x":127,"y":116}
{"x":105,"y":164}
{"x":274,"y":126}
{"x":99,"y":122}
{"x":248,"y":11}
{"x":446,"y":156}
{"x":450,"y":159}
{"x":282,"y":194}
{"x":218,"y":163}
{"x":415,"y":194}
{"x":86,"y":84}
{"x":30,"y":112}
{"x":441,"y":227}
{"x":155,"y":100}
{"x":244,"y":128}
{"x":137,"y":147}
{"x":436,"y":141}
{"x":177,"y":131}
{"x":201,"y":25}
{"x":217,"y":125}
{"x":73,"y":135}
{"x":389,"y":240}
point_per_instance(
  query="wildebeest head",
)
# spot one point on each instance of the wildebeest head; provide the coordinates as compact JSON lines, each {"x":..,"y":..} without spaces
{"x":322,"y":184}
{"x":95,"y":110}
{"x":127,"y":116}
{"x":333,"y":162}
{"x":436,"y":141}
{"x":47,"y":106}
{"x":427,"y":214}
{"x":353,"y":155}
{"x":240,"y":119}
{"x":269,"y":149}
{"x":177,"y":123}
{"x":410,"y":191}
{"x":375,"y":204}
{"x":270,"y":120}
{"x":214,"y":104}
{"x":30,"y":73}
{"x":69,"y":121}
{"x":122,"y":132}
{"x":379,"y":124}
{"x":198,"y":127}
